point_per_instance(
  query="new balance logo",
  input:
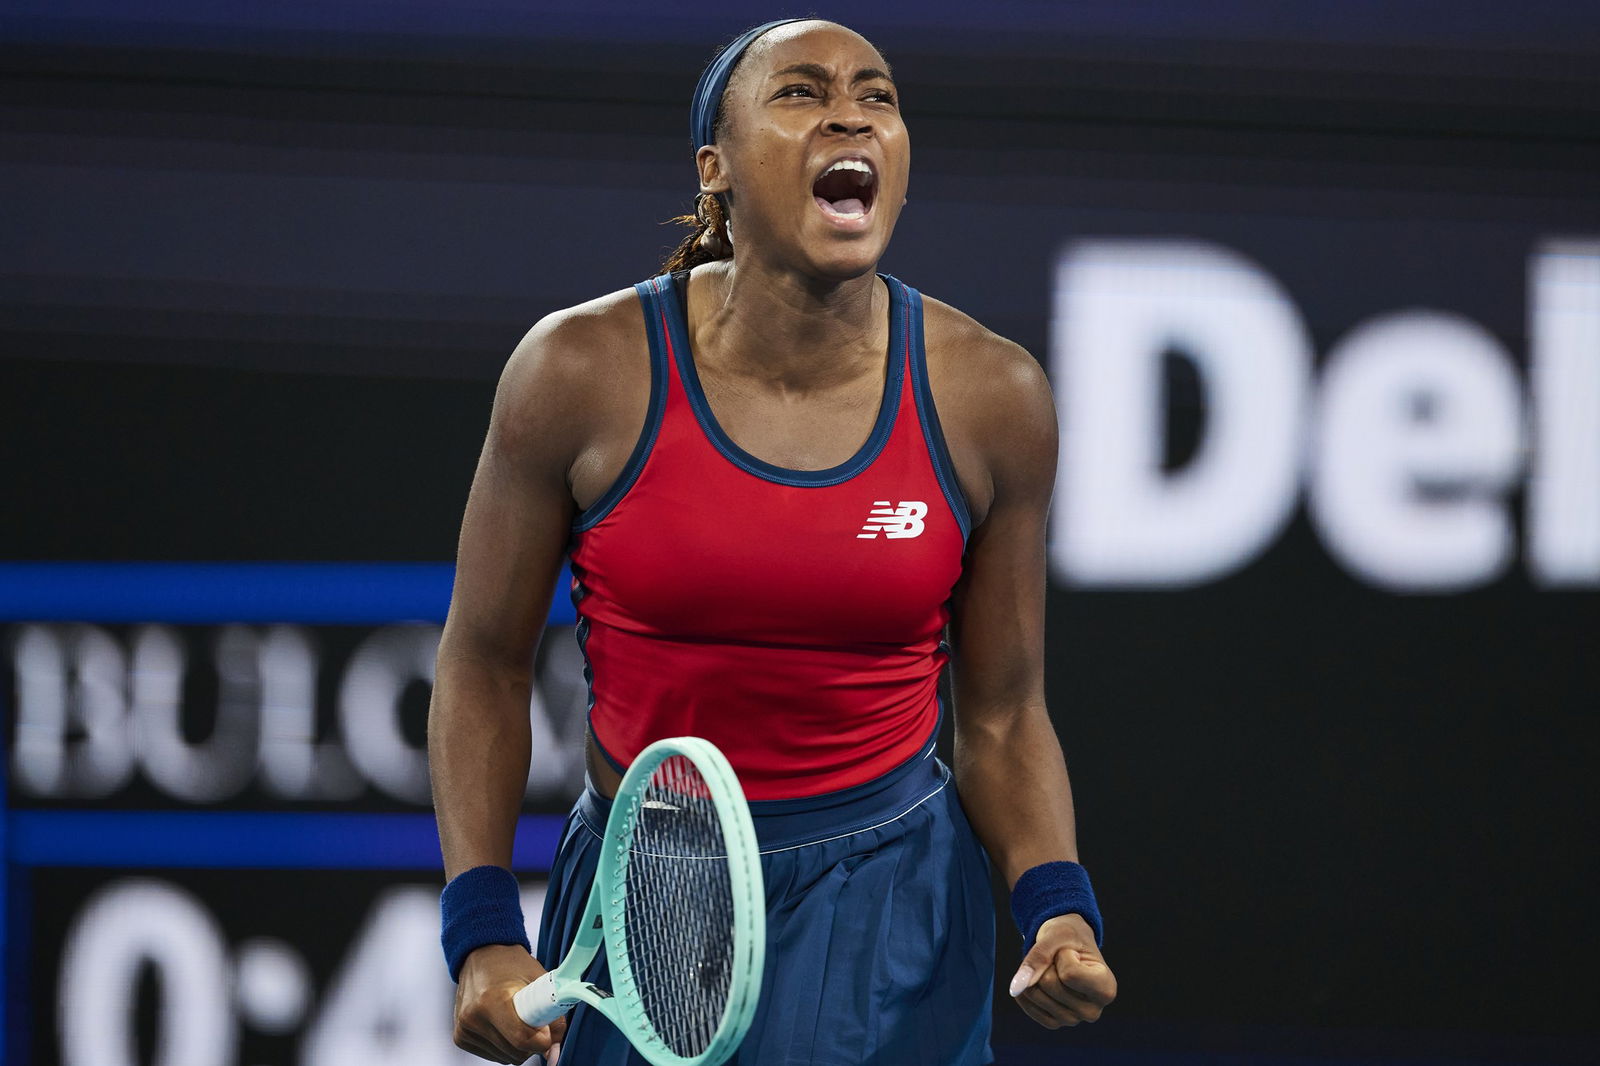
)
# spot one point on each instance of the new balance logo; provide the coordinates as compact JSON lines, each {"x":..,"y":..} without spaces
{"x":894,"y":522}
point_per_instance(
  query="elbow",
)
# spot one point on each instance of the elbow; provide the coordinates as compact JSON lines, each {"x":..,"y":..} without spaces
{"x":475,"y":657}
{"x":1001,"y":723}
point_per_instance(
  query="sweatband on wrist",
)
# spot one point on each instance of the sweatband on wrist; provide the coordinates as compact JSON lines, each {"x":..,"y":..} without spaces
{"x":1050,"y":890}
{"x":481,"y":906}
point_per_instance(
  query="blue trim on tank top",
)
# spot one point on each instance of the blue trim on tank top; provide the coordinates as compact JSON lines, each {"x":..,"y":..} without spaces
{"x":654,"y":413}
{"x":888,"y":406}
{"x":944,"y":469}
{"x":594,"y":738}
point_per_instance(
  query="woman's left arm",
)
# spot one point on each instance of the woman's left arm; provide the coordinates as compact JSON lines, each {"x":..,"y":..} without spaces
{"x":1009,"y":766}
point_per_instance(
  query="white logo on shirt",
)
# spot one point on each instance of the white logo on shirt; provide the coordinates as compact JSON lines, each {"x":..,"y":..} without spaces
{"x":894,"y":522}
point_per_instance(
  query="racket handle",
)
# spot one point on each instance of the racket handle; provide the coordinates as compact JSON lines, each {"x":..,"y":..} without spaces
{"x":537,"y":1004}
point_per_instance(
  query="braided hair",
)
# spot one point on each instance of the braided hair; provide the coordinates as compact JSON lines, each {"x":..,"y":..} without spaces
{"x":709,"y":241}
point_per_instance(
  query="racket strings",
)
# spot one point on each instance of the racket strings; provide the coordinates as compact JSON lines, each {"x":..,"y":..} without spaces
{"x":679,"y":909}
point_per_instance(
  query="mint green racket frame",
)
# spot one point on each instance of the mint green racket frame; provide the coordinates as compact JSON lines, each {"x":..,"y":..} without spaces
{"x":605,"y":922}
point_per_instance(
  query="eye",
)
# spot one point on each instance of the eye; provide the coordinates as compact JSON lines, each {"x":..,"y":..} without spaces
{"x":796,"y":90}
{"x":881,"y":96}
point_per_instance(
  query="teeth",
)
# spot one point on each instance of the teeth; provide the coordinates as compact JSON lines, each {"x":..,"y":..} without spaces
{"x":857,"y":165}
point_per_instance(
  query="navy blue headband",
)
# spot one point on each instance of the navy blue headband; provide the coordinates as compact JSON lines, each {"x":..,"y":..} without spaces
{"x":708,"y":93}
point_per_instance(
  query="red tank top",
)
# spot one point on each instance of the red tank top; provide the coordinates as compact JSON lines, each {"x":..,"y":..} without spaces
{"x":793,"y":618}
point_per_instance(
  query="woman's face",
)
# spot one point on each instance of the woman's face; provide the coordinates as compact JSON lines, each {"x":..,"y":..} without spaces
{"x":812,"y":151}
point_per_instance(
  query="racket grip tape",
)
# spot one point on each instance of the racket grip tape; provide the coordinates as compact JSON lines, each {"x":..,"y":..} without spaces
{"x":537,"y":1003}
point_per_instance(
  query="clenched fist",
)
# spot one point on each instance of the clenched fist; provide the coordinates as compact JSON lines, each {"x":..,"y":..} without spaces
{"x":486,"y":1023}
{"x":1064,"y":979}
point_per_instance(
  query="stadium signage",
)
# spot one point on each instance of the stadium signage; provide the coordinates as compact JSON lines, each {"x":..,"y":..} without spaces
{"x":1409,"y":443}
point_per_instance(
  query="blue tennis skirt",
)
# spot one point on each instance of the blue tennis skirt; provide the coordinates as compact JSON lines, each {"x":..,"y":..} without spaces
{"x":880,"y":928}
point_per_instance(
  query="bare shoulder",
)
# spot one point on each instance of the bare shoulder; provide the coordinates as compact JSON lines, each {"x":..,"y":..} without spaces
{"x":574,"y":371}
{"x":576,"y":346}
{"x":990,"y":391}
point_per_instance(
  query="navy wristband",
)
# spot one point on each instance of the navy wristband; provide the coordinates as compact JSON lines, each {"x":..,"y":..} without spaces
{"x":1050,"y":890}
{"x":478,"y":907}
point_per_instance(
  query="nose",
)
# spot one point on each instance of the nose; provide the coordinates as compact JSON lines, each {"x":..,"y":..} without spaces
{"x":857,"y":128}
{"x":849,"y":119}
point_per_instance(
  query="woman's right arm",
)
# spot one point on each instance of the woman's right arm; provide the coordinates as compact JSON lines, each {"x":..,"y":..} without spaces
{"x":513,"y":538}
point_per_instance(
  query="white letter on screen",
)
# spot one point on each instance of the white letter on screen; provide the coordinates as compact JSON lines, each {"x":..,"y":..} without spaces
{"x":70,"y":679}
{"x":1418,"y":439}
{"x":1119,"y":306}
{"x":1564,"y":491}
{"x":196,"y":771}
{"x":370,"y":705}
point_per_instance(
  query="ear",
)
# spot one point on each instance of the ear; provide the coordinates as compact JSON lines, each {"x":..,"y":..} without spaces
{"x":712,"y":176}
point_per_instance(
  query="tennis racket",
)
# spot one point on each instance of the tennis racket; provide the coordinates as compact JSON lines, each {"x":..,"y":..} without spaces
{"x":677,"y":901}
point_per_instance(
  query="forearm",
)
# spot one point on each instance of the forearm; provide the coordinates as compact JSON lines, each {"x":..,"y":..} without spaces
{"x":1014,"y":788}
{"x":478,"y":751}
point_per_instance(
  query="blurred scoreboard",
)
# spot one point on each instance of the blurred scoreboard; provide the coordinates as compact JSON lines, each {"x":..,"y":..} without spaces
{"x":218,"y":834}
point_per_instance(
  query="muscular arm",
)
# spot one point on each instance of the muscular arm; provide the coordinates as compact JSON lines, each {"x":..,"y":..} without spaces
{"x":1008,"y":761}
{"x":1009,"y":766}
{"x":513,"y":537}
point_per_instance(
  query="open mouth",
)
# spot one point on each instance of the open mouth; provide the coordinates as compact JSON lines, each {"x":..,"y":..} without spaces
{"x":845,"y":190}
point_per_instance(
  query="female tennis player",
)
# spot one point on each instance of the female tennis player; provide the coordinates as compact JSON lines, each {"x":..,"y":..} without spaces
{"x":783,"y":479}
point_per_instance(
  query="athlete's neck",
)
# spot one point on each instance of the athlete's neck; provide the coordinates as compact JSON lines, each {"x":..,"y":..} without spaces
{"x":787,"y":331}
